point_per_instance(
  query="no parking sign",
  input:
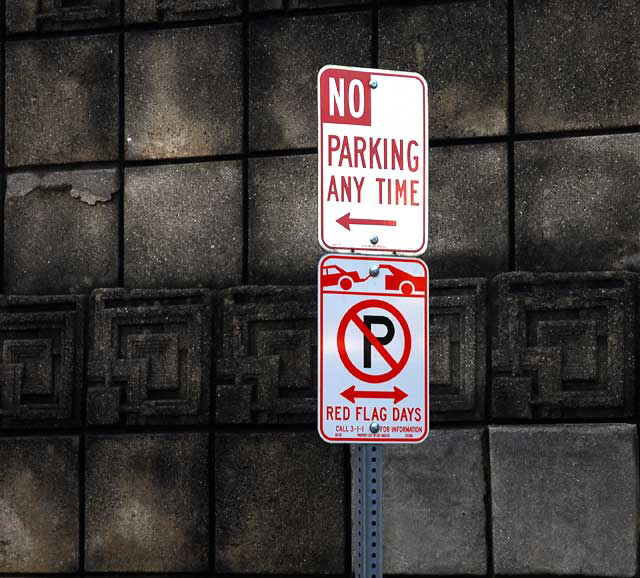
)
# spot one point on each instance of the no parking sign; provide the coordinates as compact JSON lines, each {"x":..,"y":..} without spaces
{"x":373,"y":349}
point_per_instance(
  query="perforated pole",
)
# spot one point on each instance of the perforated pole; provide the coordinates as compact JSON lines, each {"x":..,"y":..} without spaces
{"x":368,"y":511}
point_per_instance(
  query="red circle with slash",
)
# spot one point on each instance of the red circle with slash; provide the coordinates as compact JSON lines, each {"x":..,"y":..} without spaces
{"x":352,"y":316}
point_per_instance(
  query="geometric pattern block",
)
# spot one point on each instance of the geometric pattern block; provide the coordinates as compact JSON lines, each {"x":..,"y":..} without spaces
{"x":564,"y":345}
{"x":266,"y":366}
{"x":61,"y":13}
{"x":264,"y":5}
{"x":147,"y":507}
{"x":458,"y":348}
{"x":41,"y":360}
{"x":188,"y":9}
{"x":564,"y":499}
{"x":180,"y":10}
{"x":149,"y":358}
{"x":53,"y":15}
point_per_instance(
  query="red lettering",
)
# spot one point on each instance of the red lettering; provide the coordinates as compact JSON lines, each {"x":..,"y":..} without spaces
{"x":414,"y":161}
{"x":360,"y":145}
{"x":333,"y":190}
{"x":380,"y":182}
{"x":373,"y":153}
{"x":414,"y":193}
{"x":359,"y":187}
{"x":345,"y":152}
{"x":397,"y":158}
{"x":334,"y":144}
{"x":346,"y":188}
{"x":401,"y":191}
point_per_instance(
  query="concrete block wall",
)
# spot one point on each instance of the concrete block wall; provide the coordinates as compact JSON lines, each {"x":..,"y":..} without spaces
{"x":158,"y":314}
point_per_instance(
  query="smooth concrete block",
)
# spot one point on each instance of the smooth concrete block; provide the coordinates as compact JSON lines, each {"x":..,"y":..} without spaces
{"x":577,"y":206}
{"x":147,"y":507}
{"x":565,"y":499}
{"x":576,"y":64}
{"x":279,"y":504}
{"x":183,"y":225}
{"x":434,"y":510}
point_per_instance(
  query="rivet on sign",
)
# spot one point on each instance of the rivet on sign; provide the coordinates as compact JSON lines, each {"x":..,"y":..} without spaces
{"x":374,"y":270}
{"x":374,"y":239}
{"x":374,"y":427}
{"x":373,"y":83}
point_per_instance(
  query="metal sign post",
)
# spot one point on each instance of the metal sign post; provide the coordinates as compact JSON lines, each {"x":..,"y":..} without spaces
{"x":368,"y":511}
{"x":373,"y":321}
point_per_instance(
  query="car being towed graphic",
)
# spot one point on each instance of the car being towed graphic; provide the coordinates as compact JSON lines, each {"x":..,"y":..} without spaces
{"x":394,"y":280}
{"x":402,"y":281}
{"x":334,"y":275}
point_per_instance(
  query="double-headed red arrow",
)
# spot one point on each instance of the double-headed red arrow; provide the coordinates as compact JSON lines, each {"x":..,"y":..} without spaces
{"x":396,"y":395}
{"x":346,"y":221}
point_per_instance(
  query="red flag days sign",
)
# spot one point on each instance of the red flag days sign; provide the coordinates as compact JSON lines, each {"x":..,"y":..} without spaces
{"x":373,"y":373}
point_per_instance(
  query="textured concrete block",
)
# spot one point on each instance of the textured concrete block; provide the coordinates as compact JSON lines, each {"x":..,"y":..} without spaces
{"x":62,"y":100}
{"x":45,"y":15}
{"x":184,"y":92}
{"x":579,"y":58}
{"x":150,"y":357}
{"x":263,"y":5}
{"x":179,"y":10}
{"x":577,"y":206}
{"x":42,"y":344}
{"x":434,"y":512}
{"x":147,"y":506}
{"x":266,"y":366}
{"x":183,"y":225}
{"x":39,"y":509}
{"x":279,"y":504}
{"x":565,"y":499}
{"x":75,"y":216}
{"x":457,"y":348}
{"x":468,"y":211}
{"x":285,"y":56}
{"x":461,"y":50}
{"x":564,"y":345}
{"x":283,"y":220}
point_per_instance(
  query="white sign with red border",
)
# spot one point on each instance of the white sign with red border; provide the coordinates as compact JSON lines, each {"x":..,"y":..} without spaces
{"x":372,"y":160}
{"x":373,"y":384}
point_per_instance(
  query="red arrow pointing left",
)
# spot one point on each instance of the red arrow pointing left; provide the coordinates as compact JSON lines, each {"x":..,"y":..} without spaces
{"x":396,"y":395}
{"x":347,"y":220}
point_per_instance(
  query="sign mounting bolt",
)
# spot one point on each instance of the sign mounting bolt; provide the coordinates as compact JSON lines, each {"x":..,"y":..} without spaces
{"x":374,"y":239}
{"x":373,"y":83}
{"x":374,"y":270}
{"x":374,"y":427}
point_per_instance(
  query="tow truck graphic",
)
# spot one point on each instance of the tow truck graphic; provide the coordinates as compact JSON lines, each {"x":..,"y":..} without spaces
{"x":395,"y":280}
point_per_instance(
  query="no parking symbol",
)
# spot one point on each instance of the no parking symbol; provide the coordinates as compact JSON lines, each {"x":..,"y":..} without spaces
{"x":373,"y":370}
{"x":370,"y":341}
